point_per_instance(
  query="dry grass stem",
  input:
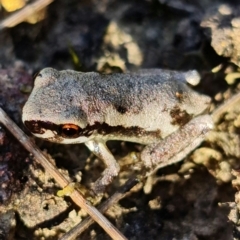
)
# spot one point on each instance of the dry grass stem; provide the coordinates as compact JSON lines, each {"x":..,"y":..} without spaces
{"x":81,"y":227}
{"x":59,"y":178}
{"x":24,"y":13}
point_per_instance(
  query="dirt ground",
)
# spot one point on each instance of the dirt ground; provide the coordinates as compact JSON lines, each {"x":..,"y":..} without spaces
{"x":196,"y":198}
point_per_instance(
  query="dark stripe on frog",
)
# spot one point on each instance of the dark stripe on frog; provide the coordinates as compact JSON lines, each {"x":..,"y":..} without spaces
{"x":100,"y":128}
{"x":179,"y":117}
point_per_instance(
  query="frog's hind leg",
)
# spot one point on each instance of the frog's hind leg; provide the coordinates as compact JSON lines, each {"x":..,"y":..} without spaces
{"x":177,"y":145}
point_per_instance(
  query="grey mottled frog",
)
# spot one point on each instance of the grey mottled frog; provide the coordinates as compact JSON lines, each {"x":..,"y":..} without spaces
{"x":153,"y":107}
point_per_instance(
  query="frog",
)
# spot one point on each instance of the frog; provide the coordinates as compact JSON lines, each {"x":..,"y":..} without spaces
{"x":154,"y":107}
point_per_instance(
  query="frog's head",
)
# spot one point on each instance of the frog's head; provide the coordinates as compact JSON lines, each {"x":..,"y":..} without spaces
{"x":51,"y":111}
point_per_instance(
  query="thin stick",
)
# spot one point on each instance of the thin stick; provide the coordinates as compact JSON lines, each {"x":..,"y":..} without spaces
{"x":225,"y":106}
{"x":23,"y":13}
{"x":59,"y":178}
{"x":81,"y":227}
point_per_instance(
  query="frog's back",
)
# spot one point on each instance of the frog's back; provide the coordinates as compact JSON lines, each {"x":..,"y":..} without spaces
{"x":153,"y":102}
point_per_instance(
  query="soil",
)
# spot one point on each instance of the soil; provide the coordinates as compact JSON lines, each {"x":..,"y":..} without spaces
{"x":196,"y":198}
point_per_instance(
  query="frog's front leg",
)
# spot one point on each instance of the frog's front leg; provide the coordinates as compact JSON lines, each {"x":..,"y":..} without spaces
{"x":177,"y":145}
{"x":100,"y":149}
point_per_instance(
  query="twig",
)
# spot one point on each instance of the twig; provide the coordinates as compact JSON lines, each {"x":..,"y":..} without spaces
{"x":59,"y":178}
{"x":24,"y":13}
{"x":225,"y":106}
{"x":81,"y":227}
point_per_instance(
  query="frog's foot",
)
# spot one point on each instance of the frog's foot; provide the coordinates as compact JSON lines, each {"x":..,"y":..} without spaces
{"x":108,"y":174}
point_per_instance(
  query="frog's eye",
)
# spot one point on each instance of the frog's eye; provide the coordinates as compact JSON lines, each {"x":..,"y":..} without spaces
{"x":70,"y":131}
